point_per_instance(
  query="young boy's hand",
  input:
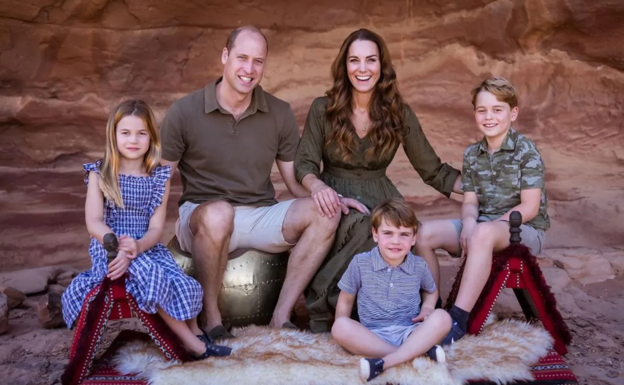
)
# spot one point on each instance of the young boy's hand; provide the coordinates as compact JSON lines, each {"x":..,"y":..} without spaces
{"x":118,"y":266}
{"x":129,"y":245}
{"x":467,"y":229}
{"x":425,"y":312}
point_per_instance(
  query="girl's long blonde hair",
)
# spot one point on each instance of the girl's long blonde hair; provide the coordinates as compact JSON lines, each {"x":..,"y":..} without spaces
{"x":109,"y":168}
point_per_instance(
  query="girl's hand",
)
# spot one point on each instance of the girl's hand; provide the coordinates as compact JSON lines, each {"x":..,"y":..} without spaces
{"x":347,"y":203}
{"x":118,"y":266}
{"x":129,"y":245}
{"x":326,"y":199}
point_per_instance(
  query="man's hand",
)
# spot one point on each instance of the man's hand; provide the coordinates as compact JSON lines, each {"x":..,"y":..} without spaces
{"x":129,"y":245}
{"x":347,"y":203}
{"x":425,"y":312}
{"x":118,"y":266}
{"x":326,"y":199}
{"x":468,"y":227}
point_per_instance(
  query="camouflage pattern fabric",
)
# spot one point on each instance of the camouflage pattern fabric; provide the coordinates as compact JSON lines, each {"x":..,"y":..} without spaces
{"x":498,"y":178}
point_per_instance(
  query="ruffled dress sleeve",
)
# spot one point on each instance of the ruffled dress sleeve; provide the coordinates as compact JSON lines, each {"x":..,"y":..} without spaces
{"x":88,"y":167}
{"x":160,"y":176}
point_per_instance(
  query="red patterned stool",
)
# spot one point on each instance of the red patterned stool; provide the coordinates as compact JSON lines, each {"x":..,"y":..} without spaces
{"x":516,"y":268}
{"x":110,"y":301}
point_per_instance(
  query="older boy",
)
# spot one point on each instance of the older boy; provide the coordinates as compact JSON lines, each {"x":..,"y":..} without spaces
{"x":503,"y":172}
{"x":387,"y":282}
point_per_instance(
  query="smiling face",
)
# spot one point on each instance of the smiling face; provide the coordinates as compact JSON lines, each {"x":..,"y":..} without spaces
{"x":133,"y":140}
{"x":244,"y":63}
{"x":492,"y":116}
{"x":394,"y":242}
{"x":363,"y":65}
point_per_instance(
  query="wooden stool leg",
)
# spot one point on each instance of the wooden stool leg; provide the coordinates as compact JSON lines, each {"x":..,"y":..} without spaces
{"x":526,"y":303}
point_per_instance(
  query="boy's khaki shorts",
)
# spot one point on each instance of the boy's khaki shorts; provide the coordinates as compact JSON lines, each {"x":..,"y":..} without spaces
{"x":531,"y":237}
{"x":257,"y":228}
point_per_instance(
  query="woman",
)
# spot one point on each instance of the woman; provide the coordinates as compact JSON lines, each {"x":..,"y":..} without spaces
{"x":355,"y":132}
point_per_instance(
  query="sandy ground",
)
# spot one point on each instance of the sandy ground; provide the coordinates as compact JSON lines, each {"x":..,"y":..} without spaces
{"x":31,"y":355}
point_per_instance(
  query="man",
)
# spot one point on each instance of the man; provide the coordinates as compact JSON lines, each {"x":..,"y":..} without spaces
{"x":224,"y":140}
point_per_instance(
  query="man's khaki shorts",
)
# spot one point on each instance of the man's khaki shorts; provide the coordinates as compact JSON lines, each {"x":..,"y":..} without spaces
{"x":257,"y":228}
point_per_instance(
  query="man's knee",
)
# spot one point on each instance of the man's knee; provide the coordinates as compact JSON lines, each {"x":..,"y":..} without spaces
{"x":214,"y":219}
{"x":312,"y":213}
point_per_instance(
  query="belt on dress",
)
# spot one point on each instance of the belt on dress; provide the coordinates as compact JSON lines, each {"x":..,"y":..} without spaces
{"x":355,"y":174}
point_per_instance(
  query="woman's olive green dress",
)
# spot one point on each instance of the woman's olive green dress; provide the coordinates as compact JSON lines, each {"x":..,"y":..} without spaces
{"x":365,"y":180}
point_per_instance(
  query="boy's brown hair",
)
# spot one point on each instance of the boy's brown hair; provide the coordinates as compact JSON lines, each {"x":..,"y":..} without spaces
{"x":501,"y":88}
{"x":396,"y":212}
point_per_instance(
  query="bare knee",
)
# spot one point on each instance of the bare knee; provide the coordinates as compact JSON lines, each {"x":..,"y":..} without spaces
{"x":215,"y":220}
{"x":330,"y":225}
{"x":426,"y":237}
{"x":482,"y":235}
{"x":340,"y":329}
{"x":441,"y":318}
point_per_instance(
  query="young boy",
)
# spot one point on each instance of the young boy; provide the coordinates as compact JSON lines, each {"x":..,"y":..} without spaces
{"x":502,"y":173}
{"x":387,"y":282}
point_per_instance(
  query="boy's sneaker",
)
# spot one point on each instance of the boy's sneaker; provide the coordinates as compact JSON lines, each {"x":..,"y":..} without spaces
{"x":370,"y":368}
{"x":454,"y":335}
{"x":436,"y":353}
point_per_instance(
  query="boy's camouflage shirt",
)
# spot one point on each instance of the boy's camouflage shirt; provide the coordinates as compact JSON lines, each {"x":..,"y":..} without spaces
{"x":497,"y":179}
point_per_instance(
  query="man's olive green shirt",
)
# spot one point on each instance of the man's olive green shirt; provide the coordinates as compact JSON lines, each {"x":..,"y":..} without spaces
{"x":221,"y":158}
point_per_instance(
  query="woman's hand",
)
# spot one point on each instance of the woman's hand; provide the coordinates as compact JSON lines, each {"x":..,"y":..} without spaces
{"x":326,"y":199}
{"x":347,"y":203}
{"x":118,"y":266}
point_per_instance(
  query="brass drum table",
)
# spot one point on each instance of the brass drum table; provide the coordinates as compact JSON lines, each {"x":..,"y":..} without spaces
{"x":251,"y":283}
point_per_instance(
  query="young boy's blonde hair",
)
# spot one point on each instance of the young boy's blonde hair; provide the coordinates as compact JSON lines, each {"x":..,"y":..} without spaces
{"x":501,"y":88}
{"x":395,"y":212}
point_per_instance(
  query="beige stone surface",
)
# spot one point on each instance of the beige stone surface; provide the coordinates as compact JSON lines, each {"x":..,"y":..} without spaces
{"x":556,"y":278}
{"x":14,"y":296}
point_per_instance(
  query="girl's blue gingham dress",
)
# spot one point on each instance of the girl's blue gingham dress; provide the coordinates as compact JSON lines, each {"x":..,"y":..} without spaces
{"x":155,"y":279}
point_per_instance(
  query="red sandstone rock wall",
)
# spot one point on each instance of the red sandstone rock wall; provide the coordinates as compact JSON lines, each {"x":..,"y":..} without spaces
{"x":64,"y":64}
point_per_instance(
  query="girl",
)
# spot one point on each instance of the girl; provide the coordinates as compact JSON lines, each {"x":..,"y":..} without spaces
{"x":355,"y":131}
{"x":127,"y":195}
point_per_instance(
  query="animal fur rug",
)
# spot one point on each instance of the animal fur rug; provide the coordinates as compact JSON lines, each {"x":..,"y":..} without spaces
{"x":502,"y":353}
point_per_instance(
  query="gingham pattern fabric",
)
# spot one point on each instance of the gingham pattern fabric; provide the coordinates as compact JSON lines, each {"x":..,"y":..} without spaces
{"x":154,"y":277}
{"x":387,"y":295}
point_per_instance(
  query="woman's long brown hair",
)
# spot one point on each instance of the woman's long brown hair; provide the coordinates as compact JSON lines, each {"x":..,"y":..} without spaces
{"x":109,"y":168}
{"x":385,"y":108}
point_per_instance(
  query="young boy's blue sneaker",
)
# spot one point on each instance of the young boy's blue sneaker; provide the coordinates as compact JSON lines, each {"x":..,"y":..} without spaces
{"x":454,"y":335}
{"x":370,"y":368}
{"x":436,"y":353}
